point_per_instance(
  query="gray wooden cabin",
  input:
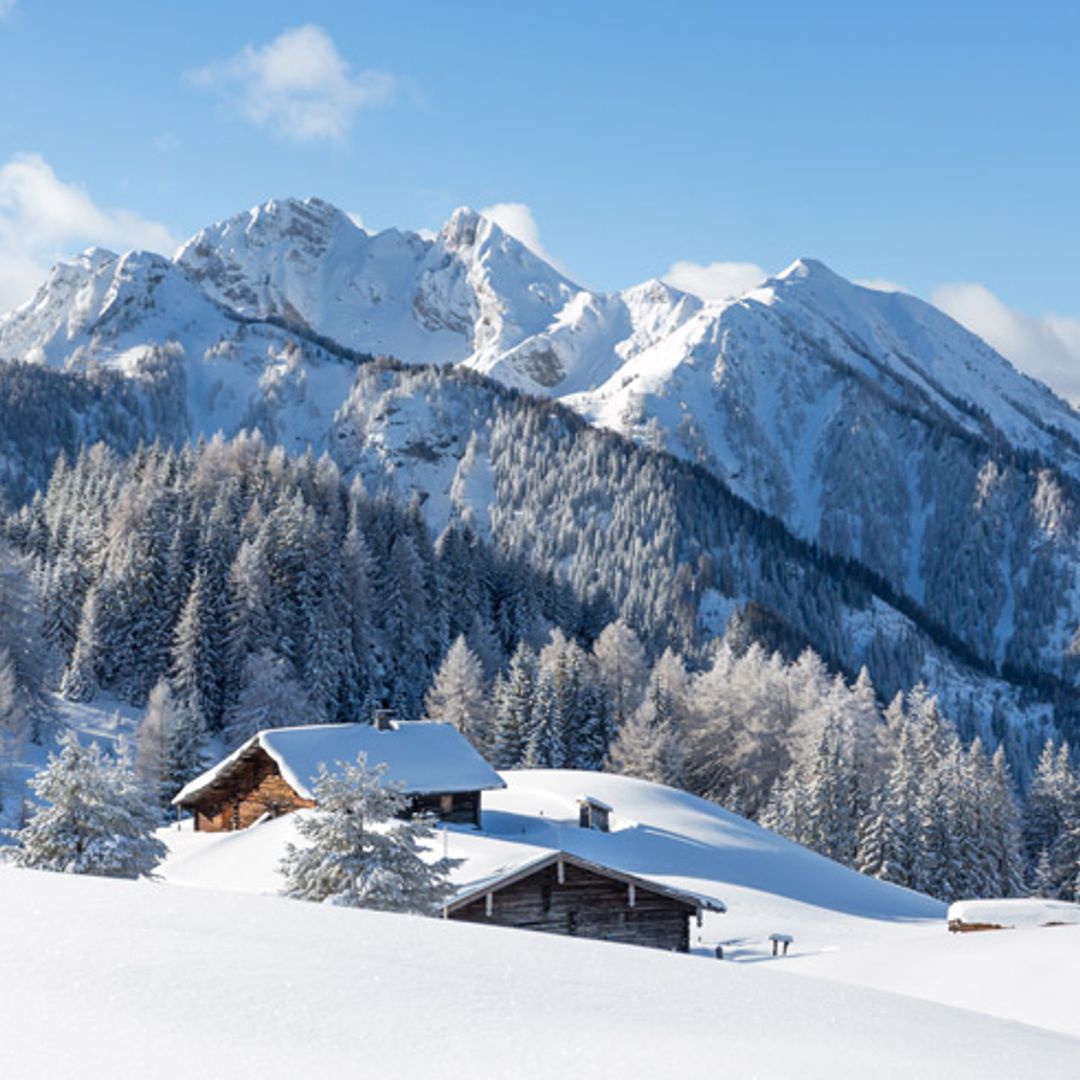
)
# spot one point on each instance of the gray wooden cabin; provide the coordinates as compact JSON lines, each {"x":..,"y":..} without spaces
{"x":561,"y":893}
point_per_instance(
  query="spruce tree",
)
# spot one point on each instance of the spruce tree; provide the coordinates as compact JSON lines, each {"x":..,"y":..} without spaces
{"x":93,"y":817}
{"x":360,"y":852}
{"x":514,"y":709}
{"x":458,"y":697}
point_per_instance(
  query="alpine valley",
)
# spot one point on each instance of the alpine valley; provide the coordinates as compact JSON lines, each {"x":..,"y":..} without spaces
{"x":843,"y":467}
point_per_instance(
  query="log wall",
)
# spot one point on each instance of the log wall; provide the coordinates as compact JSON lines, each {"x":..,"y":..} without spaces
{"x":256,"y":787}
{"x":585,"y":905}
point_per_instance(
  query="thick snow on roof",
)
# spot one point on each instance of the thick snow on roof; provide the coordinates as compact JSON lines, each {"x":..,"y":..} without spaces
{"x":427,"y":758}
{"x":388,"y":995}
{"x":1029,"y":912}
{"x":534,"y":861}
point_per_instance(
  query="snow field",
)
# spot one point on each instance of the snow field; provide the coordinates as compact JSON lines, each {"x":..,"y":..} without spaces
{"x":139,"y":977}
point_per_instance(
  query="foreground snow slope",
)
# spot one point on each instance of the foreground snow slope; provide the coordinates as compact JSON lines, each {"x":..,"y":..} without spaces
{"x":141,"y":977}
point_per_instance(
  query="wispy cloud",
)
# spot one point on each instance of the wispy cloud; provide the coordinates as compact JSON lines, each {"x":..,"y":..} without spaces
{"x":880,"y":285}
{"x":298,"y":86}
{"x":43,"y":218}
{"x":6,"y":8}
{"x":1046,"y":346}
{"x":715,"y":281}
{"x":517,"y":219}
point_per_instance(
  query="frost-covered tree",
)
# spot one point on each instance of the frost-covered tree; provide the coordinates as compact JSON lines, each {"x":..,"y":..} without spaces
{"x":514,"y":708}
{"x":360,"y":852}
{"x":621,"y":665}
{"x":185,"y":752}
{"x":270,"y":697}
{"x":93,"y":817}
{"x":153,"y":740}
{"x":458,"y":696}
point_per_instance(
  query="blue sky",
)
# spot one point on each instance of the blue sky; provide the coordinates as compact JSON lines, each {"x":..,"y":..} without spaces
{"x":931,"y":145}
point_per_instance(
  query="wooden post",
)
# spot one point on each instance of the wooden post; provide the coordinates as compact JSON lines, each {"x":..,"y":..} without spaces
{"x":631,"y":896}
{"x":489,"y":905}
{"x":560,"y":873}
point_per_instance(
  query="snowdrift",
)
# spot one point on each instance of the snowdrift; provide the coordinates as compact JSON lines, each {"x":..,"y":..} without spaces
{"x":141,"y":977}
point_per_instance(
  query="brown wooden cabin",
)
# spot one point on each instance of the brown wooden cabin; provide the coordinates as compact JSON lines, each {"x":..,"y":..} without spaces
{"x":273,"y":772}
{"x":253,"y":789}
{"x":565,"y":894}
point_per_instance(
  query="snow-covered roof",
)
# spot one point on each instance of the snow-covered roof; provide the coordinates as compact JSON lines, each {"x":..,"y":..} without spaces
{"x":426,"y":758}
{"x":599,"y":804}
{"x":1014,"y":913}
{"x":507,"y":875}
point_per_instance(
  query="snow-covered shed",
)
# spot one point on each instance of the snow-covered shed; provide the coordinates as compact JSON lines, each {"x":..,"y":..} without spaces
{"x":274,"y":772}
{"x":560,"y":893}
{"x":1008,"y":914}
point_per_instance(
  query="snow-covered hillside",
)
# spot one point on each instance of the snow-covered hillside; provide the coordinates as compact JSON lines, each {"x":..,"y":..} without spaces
{"x":768,"y":884}
{"x":140,"y":978}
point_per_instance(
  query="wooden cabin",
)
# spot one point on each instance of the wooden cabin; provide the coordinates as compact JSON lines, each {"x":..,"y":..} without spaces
{"x":561,"y":893}
{"x":274,"y":772}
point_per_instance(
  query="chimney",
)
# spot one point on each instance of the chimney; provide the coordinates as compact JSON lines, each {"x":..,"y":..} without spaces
{"x":383,"y":720}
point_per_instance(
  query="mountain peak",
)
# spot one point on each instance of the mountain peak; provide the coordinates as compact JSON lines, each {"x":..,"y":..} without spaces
{"x":463,"y":228}
{"x":807,"y":269}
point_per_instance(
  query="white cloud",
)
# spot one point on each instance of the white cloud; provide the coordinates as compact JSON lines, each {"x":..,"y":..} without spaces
{"x":715,"y":281}
{"x":517,"y":219}
{"x":1046,"y":346}
{"x":880,"y":285}
{"x":42,"y":218}
{"x":298,"y":86}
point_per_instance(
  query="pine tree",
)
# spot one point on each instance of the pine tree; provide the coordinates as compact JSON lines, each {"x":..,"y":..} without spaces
{"x":457,"y":696}
{"x":829,"y":801}
{"x":1004,"y":834}
{"x":1042,"y":884}
{"x":94,"y":818}
{"x":269,"y":697}
{"x":360,"y":853}
{"x":620,"y":660}
{"x":153,"y":740}
{"x":185,"y":752}
{"x":1043,"y":812}
{"x":514,"y":709}
{"x":195,"y":673}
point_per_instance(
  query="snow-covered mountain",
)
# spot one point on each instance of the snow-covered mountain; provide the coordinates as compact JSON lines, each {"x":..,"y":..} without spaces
{"x":867,"y":422}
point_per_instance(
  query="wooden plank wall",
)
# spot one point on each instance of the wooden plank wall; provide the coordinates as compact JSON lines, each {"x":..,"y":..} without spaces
{"x":585,"y":905}
{"x":255,"y":789}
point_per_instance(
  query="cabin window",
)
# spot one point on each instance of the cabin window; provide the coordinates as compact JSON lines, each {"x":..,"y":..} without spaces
{"x":545,"y":898}
{"x":571,"y":922}
{"x":446,"y":804}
